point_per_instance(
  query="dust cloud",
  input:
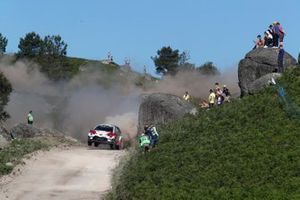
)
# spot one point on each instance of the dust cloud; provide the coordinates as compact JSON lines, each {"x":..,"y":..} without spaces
{"x":78,"y":105}
{"x":74,"y":106}
{"x":197,"y":84}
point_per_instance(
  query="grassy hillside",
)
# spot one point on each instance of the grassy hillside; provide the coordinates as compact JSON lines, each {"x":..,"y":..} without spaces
{"x":66,"y":68}
{"x":248,"y":149}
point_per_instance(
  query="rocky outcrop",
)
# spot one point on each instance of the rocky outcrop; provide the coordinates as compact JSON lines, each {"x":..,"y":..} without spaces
{"x":257,"y":63}
{"x":3,"y":142}
{"x":4,"y":137}
{"x":28,"y":131}
{"x":159,"y":108}
{"x":263,"y":82}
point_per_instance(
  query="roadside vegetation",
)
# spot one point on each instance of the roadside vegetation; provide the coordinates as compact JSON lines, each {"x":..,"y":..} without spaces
{"x":19,"y":149}
{"x":248,"y":149}
{"x":5,"y":90}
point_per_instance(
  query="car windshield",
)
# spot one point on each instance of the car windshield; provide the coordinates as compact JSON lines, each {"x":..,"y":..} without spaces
{"x":104,"y":128}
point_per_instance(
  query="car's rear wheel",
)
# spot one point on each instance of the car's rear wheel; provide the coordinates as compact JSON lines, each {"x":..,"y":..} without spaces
{"x":96,"y":144}
{"x":120,"y":146}
{"x":112,"y":146}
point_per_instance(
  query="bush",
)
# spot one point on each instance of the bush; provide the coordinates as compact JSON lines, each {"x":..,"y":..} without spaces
{"x":5,"y":90}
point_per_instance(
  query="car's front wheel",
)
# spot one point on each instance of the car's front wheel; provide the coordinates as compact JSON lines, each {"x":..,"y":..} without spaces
{"x":96,"y":144}
{"x":90,"y":143}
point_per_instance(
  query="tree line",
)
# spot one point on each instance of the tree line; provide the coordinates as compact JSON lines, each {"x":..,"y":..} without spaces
{"x":33,"y":45}
{"x":169,"y":62}
{"x":49,"y":52}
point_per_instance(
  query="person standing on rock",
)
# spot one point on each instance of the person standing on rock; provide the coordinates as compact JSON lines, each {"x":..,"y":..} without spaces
{"x":211,"y":98}
{"x":268,"y":39}
{"x":281,"y":53}
{"x":271,"y":32}
{"x":281,"y":33}
{"x":186,"y":96}
{"x":30,"y":118}
{"x":276,"y":32}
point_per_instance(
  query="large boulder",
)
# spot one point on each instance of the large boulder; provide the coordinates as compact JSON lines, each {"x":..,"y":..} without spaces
{"x":3,"y":142}
{"x":4,"y":137}
{"x":263,"y":82}
{"x":160,"y":108}
{"x":260,"y":62}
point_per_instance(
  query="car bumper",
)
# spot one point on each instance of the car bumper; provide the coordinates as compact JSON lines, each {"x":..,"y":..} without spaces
{"x":101,"y":140}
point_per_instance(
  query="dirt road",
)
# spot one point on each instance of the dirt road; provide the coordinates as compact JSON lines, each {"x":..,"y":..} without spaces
{"x":75,"y":174}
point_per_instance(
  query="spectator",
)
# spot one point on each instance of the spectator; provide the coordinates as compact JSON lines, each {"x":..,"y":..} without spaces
{"x":268,"y":39}
{"x":270,"y":31}
{"x":219,"y":96}
{"x":226,"y":93}
{"x":276,"y":34}
{"x":204,"y":104}
{"x":152,"y":134}
{"x":186,"y":96}
{"x":259,"y":43}
{"x":281,"y":53}
{"x":217,"y":86}
{"x":30,"y":118}
{"x":211,"y":98}
{"x":144,"y":142}
{"x":220,"y":99}
{"x":281,"y":33}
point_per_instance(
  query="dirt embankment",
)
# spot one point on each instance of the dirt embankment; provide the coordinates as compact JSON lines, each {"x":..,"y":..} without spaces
{"x":70,"y":174}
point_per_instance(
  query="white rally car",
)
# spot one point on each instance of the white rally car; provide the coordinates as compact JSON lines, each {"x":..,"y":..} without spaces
{"x":106,"y":134}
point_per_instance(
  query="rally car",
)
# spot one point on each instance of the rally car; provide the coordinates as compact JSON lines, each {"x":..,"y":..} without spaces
{"x":106,"y":134}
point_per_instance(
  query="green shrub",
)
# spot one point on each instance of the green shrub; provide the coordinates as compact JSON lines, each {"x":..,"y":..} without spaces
{"x":5,"y":90}
{"x":16,"y":151}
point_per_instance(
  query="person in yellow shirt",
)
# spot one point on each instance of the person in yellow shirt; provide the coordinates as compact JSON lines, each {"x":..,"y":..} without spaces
{"x":186,"y":96}
{"x":211,"y":98}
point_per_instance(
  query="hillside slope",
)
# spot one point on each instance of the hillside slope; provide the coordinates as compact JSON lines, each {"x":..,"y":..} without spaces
{"x":66,"y":68}
{"x":248,"y":149}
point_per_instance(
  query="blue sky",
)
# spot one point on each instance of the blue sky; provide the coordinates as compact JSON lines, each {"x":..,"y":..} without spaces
{"x":221,"y":31}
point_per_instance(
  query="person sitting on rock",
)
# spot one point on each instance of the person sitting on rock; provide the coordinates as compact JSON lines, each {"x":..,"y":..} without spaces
{"x":186,"y":96}
{"x":204,"y":104}
{"x":259,"y":43}
{"x":268,"y":39}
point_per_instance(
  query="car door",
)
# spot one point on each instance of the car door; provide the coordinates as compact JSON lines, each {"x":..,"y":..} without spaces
{"x":118,"y":132}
